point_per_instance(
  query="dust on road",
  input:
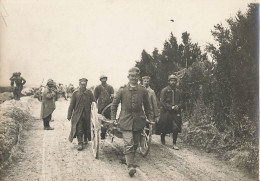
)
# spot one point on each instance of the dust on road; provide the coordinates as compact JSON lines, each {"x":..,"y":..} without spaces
{"x":48,"y":155}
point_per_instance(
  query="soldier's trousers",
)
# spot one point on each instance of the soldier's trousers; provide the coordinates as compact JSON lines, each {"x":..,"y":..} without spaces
{"x":131,"y":142}
{"x":46,"y":121}
{"x":83,"y":130}
{"x":17,"y":93}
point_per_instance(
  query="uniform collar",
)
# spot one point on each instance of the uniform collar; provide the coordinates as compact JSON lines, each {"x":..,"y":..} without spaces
{"x":132,"y":88}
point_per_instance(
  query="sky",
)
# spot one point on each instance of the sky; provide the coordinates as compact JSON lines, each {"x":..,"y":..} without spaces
{"x":69,"y":39}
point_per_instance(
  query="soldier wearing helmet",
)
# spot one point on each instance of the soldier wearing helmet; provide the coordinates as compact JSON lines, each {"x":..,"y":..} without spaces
{"x":170,"y":111}
{"x":104,"y":94}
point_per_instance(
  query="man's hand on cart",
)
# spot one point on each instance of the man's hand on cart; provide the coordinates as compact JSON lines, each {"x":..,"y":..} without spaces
{"x":150,"y":122}
{"x":114,"y":121}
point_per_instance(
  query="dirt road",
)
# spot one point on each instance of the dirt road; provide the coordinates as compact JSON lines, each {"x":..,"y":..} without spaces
{"x":48,"y":155}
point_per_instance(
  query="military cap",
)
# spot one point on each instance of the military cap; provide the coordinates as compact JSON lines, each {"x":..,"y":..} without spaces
{"x":50,"y":82}
{"x":83,"y":80}
{"x":102,"y":77}
{"x":172,"y":77}
{"x":146,"y":78}
{"x":18,"y":73}
{"x":134,"y":70}
{"x":15,"y":73}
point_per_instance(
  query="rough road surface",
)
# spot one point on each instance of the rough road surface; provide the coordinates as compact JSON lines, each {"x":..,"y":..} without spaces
{"x":48,"y":155}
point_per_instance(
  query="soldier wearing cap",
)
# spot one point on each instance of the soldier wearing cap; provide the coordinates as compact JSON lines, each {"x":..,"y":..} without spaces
{"x":152,"y":98}
{"x":104,"y":94}
{"x":170,"y":111}
{"x":79,"y":114}
{"x":48,"y":104}
{"x":17,"y":83}
{"x":133,"y":97}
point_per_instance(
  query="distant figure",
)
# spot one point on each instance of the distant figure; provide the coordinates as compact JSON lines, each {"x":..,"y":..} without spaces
{"x":79,"y":113}
{"x":133,"y":98}
{"x":61,"y":91}
{"x":17,"y":83}
{"x":170,"y":112}
{"x":48,"y":104}
{"x":104,"y":94}
{"x":70,"y":90}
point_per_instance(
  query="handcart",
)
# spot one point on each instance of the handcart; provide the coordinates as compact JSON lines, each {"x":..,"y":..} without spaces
{"x":99,"y":120}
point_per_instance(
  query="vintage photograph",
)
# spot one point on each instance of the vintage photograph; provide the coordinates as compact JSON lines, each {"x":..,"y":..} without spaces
{"x":161,"y":90}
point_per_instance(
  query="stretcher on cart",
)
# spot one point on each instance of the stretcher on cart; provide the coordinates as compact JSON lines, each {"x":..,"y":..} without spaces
{"x":99,"y":120}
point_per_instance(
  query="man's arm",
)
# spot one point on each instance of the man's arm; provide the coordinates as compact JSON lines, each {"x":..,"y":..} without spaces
{"x":147,"y":109}
{"x":72,"y":106}
{"x":23,"y":81}
{"x":117,"y":99}
{"x":96,"y":92}
{"x":111,"y":92}
{"x":155,"y":106}
{"x":92,"y":98}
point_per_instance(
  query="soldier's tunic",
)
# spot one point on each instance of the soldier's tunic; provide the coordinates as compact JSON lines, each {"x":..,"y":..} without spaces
{"x":103,"y":96}
{"x":132,"y":117}
{"x":17,"y":83}
{"x":79,"y":113}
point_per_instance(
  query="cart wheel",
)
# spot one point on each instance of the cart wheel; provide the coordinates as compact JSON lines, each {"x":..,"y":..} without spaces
{"x":95,"y":140}
{"x":146,"y":138}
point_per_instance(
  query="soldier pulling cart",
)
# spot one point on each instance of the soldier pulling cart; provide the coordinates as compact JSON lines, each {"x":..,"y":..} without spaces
{"x":99,"y":120}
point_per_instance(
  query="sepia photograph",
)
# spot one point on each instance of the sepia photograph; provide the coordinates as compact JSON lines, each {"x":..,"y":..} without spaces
{"x":132,"y":90}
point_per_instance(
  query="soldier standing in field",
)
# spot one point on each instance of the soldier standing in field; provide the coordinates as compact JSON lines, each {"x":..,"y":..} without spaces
{"x":48,"y":104}
{"x":17,"y":83}
{"x":170,"y":112}
{"x":133,"y":97}
{"x":79,"y":114}
{"x":104,"y":94}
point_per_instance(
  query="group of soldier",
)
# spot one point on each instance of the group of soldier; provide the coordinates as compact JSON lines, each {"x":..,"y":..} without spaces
{"x":139,"y":107}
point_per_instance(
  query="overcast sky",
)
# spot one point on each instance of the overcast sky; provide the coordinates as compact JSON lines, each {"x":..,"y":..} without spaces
{"x":69,"y":39}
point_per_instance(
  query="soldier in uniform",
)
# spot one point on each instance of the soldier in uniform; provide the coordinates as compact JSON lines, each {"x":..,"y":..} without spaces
{"x":133,"y":97}
{"x":48,"y":104}
{"x":170,"y":111}
{"x":79,"y":114}
{"x":104,"y":94}
{"x":152,"y":98}
{"x":19,"y":82}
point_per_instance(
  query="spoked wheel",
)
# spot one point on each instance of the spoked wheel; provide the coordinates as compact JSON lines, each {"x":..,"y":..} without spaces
{"x":146,"y":138}
{"x":95,"y":127}
{"x":95,"y":140}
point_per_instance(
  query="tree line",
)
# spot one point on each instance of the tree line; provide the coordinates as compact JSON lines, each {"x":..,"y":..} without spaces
{"x":226,"y":87}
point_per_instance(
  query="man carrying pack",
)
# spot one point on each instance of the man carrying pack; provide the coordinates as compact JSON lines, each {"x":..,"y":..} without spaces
{"x":18,"y":87}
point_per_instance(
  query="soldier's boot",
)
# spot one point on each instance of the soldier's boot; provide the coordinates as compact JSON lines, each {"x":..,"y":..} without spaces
{"x":80,"y":142}
{"x":130,"y":164}
{"x":85,"y":142}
